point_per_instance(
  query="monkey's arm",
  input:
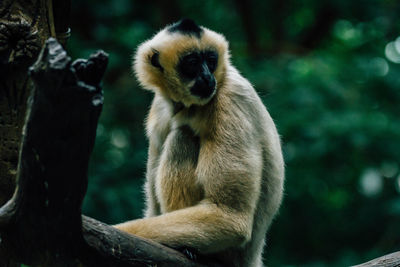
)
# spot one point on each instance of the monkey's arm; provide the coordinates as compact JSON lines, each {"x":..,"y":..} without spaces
{"x":223,"y":219}
{"x":205,"y":227}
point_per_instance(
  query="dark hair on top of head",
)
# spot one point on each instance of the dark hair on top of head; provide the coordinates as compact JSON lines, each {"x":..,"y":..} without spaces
{"x":186,"y":26}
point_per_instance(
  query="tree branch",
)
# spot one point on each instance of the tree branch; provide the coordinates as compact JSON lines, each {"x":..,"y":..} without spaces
{"x":390,"y":260}
{"x":44,"y":213}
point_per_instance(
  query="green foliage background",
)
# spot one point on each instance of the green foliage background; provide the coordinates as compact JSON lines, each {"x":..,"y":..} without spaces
{"x":327,"y":71}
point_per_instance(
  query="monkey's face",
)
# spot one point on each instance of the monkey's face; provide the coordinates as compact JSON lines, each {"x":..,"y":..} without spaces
{"x":186,"y":68}
{"x":196,"y":70}
{"x":187,"y":75}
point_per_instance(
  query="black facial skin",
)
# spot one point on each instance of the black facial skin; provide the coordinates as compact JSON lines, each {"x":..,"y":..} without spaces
{"x":200,"y":66}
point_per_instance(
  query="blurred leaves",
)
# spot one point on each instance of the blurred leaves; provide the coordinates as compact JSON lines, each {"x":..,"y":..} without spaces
{"x":334,"y":93}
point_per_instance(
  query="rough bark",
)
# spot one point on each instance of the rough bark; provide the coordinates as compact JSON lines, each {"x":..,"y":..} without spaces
{"x":23,"y":30}
{"x":42,"y":224}
{"x":44,"y":214}
{"x":390,"y":260}
{"x":107,"y":246}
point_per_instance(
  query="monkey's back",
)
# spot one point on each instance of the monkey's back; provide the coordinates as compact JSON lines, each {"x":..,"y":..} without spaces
{"x":272,"y":180}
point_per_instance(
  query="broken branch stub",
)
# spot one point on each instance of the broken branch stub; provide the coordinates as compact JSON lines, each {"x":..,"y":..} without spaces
{"x":42,"y":223}
{"x":58,"y":137}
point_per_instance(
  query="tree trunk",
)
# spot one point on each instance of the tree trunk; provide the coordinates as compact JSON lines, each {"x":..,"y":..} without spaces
{"x":42,"y":224}
{"x":44,"y":213}
{"x":23,"y":30}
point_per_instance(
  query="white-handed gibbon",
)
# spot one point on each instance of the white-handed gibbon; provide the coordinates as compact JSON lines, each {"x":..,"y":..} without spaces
{"x":215,"y":169}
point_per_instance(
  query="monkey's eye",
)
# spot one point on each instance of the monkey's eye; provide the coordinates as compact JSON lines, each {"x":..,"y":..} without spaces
{"x":212,"y":60}
{"x":190,"y":65}
{"x":192,"y":61}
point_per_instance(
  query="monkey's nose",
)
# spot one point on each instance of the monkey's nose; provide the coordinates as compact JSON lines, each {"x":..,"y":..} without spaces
{"x":209,"y":80}
{"x":204,"y":86}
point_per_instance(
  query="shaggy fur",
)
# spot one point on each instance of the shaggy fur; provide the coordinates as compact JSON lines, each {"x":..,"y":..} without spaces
{"x":215,"y":170}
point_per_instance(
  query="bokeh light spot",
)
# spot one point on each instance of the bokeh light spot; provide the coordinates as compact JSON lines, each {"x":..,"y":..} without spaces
{"x":371,"y":183}
{"x":392,"y":53}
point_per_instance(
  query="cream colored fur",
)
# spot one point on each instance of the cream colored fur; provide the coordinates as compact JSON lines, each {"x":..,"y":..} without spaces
{"x":215,"y":170}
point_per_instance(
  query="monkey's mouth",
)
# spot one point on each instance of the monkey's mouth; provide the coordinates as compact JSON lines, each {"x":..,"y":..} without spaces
{"x":204,"y":88}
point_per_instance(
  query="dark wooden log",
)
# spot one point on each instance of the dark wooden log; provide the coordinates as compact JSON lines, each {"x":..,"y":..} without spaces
{"x":42,"y":223}
{"x":390,"y":260}
{"x":23,"y":30}
{"x":24,"y":27}
{"x":45,"y":211}
{"x":107,"y":246}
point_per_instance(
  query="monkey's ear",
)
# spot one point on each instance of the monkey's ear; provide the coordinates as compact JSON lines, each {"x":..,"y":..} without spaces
{"x":155,"y":60}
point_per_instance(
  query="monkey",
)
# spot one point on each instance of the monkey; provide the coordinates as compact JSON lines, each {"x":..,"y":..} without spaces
{"x":215,"y":170}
